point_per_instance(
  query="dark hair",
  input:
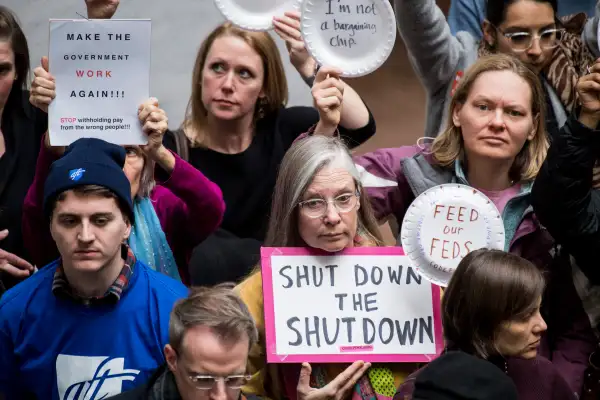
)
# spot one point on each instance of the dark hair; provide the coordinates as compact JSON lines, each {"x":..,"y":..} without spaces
{"x":496,"y":9}
{"x":93,"y":190}
{"x":489,"y":287}
{"x":11,"y":32}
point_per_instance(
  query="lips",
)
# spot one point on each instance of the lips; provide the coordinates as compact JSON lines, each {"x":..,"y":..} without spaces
{"x":225,"y":102}
{"x":86,"y":253}
{"x":494,"y":139}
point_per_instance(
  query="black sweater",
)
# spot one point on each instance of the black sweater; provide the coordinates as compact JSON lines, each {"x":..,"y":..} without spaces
{"x":23,"y":127}
{"x":247,"y":179}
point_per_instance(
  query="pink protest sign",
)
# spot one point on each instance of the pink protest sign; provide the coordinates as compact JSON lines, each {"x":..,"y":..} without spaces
{"x":363,"y":303}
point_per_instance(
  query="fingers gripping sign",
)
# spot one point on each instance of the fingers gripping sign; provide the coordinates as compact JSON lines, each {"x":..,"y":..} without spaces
{"x":43,"y":86}
{"x":288,"y":29}
{"x":328,"y":96}
{"x":337,"y":389}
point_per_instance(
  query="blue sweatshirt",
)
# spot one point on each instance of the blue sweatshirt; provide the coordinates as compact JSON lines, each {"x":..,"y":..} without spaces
{"x":56,"y":348}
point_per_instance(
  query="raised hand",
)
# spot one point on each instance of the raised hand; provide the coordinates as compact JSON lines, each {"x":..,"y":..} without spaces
{"x":101,"y":9}
{"x":328,"y":96}
{"x":43,"y":86}
{"x":288,"y":29}
{"x":154,"y":124}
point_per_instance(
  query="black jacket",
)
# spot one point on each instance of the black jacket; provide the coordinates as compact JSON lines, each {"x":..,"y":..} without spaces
{"x":167,"y":392}
{"x":563,"y":198}
{"x":23,"y":127}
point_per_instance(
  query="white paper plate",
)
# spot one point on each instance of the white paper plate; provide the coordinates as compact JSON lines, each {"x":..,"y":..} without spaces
{"x":446,"y":222}
{"x":357,"y":42}
{"x":255,"y":15}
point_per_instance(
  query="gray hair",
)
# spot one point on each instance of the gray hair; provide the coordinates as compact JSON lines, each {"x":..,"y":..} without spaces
{"x":218,"y":308}
{"x":300,"y":164}
{"x":147,"y":182}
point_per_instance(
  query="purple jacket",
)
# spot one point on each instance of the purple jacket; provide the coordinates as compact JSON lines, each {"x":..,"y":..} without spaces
{"x":394,"y":177}
{"x":188,"y":205}
{"x":536,"y":379}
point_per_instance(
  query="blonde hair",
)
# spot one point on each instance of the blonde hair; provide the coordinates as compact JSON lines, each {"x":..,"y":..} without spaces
{"x":449,"y":145}
{"x":299,"y":166}
{"x":275,"y":82}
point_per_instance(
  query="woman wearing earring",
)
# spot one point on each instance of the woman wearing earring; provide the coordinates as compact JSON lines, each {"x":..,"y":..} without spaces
{"x":238,"y":129}
{"x":21,"y":129}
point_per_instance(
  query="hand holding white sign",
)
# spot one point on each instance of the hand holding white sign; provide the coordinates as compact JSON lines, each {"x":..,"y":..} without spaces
{"x":43,"y":86}
{"x":337,"y":389}
{"x":101,"y":9}
{"x":288,"y":29}
{"x":328,"y":96}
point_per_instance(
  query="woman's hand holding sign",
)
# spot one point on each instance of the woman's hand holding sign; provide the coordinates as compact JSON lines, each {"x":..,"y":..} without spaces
{"x":337,"y":389}
{"x":154,"y":124}
{"x":288,"y":29}
{"x":328,"y":96}
{"x":43,"y":87}
{"x":101,"y":9}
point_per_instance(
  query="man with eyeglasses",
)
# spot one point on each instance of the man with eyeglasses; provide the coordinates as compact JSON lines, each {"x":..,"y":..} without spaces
{"x":210,"y":334}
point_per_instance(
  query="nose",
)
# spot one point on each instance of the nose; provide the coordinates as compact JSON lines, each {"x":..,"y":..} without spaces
{"x":228,"y":81}
{"x":219,"y":391}
{"x":540,"y":325}
{"x":535,"y":50}
{"x":86,"y":233}
{"x":332,"y":216}
{"x":497,"y":120}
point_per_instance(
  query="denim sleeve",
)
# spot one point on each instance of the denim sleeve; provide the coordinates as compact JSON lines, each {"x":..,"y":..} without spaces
{"x":466,"y":15}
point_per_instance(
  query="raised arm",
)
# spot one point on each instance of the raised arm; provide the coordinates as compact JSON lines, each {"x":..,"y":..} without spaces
{"x":434,"y":52}
{"x":562,"y":195}
{"x":355,"y":114}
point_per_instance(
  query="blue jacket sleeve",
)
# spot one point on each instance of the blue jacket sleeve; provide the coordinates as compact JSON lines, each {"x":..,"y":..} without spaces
{"x":466,"y":15}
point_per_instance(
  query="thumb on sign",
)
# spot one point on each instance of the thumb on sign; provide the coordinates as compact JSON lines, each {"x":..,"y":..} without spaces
{"x":328,"y":95}
{"x":43,"y":87}
{"x":337,"y":389}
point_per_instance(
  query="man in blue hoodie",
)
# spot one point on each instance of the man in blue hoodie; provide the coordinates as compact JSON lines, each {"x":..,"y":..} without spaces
{"x":93,"y":323}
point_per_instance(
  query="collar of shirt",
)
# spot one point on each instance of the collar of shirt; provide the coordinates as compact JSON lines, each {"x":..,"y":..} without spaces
{"x":61,"y":287}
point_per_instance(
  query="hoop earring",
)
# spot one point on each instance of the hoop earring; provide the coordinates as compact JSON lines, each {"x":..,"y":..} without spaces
{"x":261,"y":107}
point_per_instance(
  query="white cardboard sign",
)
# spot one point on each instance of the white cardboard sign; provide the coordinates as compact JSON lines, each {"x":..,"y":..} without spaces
{"x":362,"y":303}
{"x":102,"y":72}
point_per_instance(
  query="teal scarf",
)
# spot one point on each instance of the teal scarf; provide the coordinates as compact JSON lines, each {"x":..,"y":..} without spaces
{"x":148,"y":241}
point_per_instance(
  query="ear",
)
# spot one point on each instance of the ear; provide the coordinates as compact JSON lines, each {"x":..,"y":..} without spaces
{"x":171,"y":357}
{"x":536,"y":122}
{"x":127,"y":231}
{"x":489,"y":33}
{"x":455,"y":115}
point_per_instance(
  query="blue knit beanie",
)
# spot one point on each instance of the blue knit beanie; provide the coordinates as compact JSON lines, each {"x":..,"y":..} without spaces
{"x":89,"y":161}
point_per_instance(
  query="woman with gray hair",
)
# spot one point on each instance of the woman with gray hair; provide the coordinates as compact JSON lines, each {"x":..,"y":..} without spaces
{"x":319,"y":202}
{"x":170,"y":218}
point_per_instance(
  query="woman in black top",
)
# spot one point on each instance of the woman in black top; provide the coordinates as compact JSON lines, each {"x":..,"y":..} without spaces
{"x":238,"y":129}
{"x":21,"y":129}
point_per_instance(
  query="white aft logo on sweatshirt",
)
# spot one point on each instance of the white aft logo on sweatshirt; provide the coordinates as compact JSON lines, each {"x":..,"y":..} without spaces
{"x":91,"y":378}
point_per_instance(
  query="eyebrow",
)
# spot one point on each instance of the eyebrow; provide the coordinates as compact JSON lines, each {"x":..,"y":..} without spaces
{"x":515,"y":29}
{"x":346,"y":189}
{"x":95,"y":215}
